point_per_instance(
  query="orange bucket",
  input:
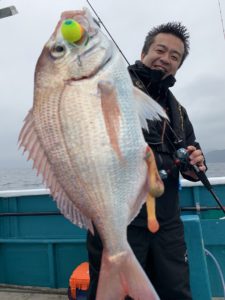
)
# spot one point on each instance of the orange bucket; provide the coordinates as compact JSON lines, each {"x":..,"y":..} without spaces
{"x":79,"y":279}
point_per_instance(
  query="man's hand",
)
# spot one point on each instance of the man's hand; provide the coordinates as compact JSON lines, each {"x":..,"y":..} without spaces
{"x":196,"y":158}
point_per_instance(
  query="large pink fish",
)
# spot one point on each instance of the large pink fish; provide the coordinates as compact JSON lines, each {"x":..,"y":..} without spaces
{"x":85,"y":138}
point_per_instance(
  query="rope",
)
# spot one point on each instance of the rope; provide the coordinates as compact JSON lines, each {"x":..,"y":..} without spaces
{"x":207,"y":252}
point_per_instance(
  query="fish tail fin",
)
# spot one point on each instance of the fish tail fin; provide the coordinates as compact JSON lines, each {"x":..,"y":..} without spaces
{"x":121,"y":275}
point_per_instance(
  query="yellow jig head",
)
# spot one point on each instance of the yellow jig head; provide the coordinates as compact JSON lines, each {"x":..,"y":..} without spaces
{"x":72,"y":31}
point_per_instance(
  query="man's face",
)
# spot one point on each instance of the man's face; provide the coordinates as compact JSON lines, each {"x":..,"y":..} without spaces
{"x":164,"y":54}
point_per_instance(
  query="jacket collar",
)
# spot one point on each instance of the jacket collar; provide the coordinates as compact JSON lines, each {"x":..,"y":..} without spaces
{"x":152,"y":80}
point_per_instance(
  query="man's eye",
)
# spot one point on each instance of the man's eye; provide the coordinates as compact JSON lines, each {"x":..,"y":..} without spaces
{"x":175,"y":58}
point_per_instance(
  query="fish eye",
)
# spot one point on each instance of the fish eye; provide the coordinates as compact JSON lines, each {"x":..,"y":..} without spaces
{"x":58,"y":51}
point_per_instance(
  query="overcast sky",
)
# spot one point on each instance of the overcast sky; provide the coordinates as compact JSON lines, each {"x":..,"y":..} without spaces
{"x":200,"y":85}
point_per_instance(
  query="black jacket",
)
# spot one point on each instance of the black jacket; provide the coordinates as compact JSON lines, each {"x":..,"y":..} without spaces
{"x":164,"y":140}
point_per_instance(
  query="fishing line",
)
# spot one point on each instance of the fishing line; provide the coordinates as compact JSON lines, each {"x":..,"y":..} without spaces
{"x":144,"y":87}
{"x":221,"y":18}
{"x":108,"y":32}
{"x":136,"y":75}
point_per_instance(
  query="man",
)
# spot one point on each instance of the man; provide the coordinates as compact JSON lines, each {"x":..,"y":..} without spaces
{"x":162,"y":254}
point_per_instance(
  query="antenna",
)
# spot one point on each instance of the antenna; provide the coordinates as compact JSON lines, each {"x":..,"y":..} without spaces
{"x":221,"y":17}
{"x":8,"y":12}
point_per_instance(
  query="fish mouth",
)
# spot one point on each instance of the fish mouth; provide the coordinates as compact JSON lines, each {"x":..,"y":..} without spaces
{"x":92,"y":74}
{"x":100,"y":67}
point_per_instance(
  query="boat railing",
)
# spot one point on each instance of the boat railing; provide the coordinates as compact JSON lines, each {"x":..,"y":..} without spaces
{"x":42,"y":191}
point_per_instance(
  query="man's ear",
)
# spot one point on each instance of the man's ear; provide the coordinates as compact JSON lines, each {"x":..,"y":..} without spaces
{"x":142,"y":55}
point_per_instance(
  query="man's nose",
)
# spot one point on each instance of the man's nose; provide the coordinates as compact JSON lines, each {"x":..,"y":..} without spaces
{"x":165,"y":58}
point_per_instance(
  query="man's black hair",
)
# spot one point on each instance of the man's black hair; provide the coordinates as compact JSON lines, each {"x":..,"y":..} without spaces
{"x":174,"y":28}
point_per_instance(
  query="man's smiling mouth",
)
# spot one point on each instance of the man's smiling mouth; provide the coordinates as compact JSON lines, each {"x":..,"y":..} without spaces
{"x":160,"y":68}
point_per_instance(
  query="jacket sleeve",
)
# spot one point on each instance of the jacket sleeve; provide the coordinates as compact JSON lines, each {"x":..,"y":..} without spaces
{"x":190,"y":139}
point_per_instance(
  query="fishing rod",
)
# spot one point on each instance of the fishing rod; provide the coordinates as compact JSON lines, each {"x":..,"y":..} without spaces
{"x":201,"y":175}
{"x":183,"y":158}
{"x":181,"y":154}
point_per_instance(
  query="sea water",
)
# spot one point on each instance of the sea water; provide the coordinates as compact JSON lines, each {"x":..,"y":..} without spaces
{"x":26,"y":178}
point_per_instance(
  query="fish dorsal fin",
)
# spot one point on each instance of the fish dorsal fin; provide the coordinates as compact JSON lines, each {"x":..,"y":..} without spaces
{"x":30,"y":141}
{"x":147,"y":108}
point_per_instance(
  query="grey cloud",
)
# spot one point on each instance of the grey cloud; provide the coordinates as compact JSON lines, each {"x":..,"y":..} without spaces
{"x":204,"y":99}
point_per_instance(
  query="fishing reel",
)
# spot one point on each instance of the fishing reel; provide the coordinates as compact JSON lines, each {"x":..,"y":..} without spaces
{"x":163,"y":174}
{"x":181,"y":161}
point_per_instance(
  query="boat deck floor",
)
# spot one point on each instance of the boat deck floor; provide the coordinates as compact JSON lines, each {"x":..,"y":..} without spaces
{"x":30,"y":296}
{"x":27,"y":293}
{"x":8,"y":294}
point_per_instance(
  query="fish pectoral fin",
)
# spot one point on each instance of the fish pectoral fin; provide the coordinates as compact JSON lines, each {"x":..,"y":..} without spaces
{"x":108,"y":93}
{"x":156,"y":189}
{"x":147,"y":108}
{"x":111,"y":113}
